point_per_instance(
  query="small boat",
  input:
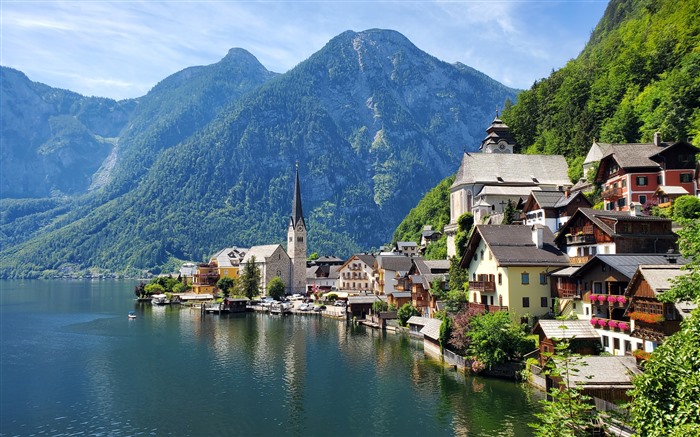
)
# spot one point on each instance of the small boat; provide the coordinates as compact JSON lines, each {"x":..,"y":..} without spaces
{"x":132,"y":314}
{"x":160,"y":299}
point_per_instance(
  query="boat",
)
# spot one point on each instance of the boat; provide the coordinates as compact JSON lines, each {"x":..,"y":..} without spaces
{"x":281,"y":308}
{"x":160,"y":299}
{"x":132,"y":314}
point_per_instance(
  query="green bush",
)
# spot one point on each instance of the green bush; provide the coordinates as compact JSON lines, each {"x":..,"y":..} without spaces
{"x":686,"y":207}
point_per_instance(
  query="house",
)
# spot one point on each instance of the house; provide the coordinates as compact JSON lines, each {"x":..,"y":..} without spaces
{"x":509,"y":268}
{"x":599,"y":295}
{"x":592,"y":231}
{"x":420,"y":279}
{"x":356,"y":275}
{"x":322,"y":278}
{"x":431,"y":337}
{"x":429,"y":236}
{"x":552,"y":208}
{"x":600,"y":377}
{"x":583,"y":339}
{"x":415,"y":324}
{"x":272,"y":260}
{"x":360,"y":306}
{"x":653,"y":320}
{"x":407,"y":248}
{"x":386,"y":269}
{"x":228,"y":261}
{"x":235,"y":304}
{"x":187,"y":272}
{"x":398,"y":298}
{"x":205,"y":277}
{"x":633,"y":172}
{"x":487,"y":181}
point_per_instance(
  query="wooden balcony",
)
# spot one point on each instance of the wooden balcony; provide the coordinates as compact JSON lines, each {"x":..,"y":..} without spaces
{"x":612,"y":193}
{"x":482,"y":286}
{"x":580,"y":239}
{"x":486,"y":308}
{"x":579,"y":260}
{"x":568,"y":292}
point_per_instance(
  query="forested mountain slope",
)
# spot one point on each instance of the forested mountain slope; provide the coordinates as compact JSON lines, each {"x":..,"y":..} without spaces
{"x":372,"y":120}
{"x":638,"y":74}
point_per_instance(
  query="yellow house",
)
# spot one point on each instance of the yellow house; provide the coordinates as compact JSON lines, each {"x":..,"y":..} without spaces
{"x":509,"y":268}
{"x":228,"y":261}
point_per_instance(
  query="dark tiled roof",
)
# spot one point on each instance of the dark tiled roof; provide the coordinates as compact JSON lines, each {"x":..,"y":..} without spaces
{"x":400,"y":294}
{"x":595,"y":216}
{"x":627,"y":264}
{"x":396,"y":263}
{"x":547,"y":198}
{"x":366,"y":258}
{"x":513,"y":245}
{"x":633,"y":155}
{"x":365,"y":299}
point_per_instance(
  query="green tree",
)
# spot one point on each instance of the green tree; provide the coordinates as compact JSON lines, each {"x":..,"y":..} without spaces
{"x":379,"y":305}
{"x":226,"y":285}
{"x":154,"y":288}
{"x":459,"y":277}
{"x":405,"y":312}
{"x":567,"y":412}
{"x":250,"y":279}
{"x":465,"y":223}
{"x":666,"y":397}
{"x":509,"y":213}
{"x":495,"y":339}
{"x":313,"y":257}
{"x":275,"y":288}
{"x":686,"y":207}
{"x":445,"y":332}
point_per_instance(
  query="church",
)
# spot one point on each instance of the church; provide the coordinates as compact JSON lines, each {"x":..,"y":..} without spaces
{"x":486,"y":181}
{"x":290,"y":265}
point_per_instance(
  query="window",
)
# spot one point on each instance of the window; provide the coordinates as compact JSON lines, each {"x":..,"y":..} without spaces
{"x":642,"y":199}
{"x":300,"y":239}
{"x":628,"y":346}
{"x":642,"y":181}
{"x":543,"y":278}
{"x":616,"y":343}
{"x":526,"y":302}
{"x":500,"y":279}
{"x":525,"y":278}
{"x":491,"y":300}
{"x":588,"y":311}
{"x":606,"y":341}
{"x":621,"y":202}
{"x":543,"y":302}
{"x":686,"y":177}
{"x":598,"y":287}
{"x":290,"y":239}
{"x":624,"y":183}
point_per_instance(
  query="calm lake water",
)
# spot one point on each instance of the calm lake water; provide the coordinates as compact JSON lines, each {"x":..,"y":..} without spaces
{"x":74,"y":364}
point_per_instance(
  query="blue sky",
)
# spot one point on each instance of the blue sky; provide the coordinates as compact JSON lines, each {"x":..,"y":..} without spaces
{"x":121,"y":49}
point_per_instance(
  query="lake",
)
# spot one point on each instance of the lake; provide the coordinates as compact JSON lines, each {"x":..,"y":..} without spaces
{"x":72,"y":363}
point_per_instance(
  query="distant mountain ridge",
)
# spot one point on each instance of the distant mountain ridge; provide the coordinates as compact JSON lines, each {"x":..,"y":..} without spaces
{"x":207,"y":159}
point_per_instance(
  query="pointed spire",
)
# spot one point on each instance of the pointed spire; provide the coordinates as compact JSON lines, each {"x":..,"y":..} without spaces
{"x":297,"y":213}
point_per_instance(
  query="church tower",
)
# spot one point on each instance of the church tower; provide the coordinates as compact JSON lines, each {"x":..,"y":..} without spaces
{"x":498,"y":138}
{"x":296,"y":242}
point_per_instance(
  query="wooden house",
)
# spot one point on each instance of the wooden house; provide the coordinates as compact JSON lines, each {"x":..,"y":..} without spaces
{"x":552,"y":208}
{"x":583,"y":339}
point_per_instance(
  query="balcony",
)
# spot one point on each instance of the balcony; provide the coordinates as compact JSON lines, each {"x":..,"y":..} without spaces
{"x":619,"y":301}
{"x":612,"y":193}
{"x":611,"y":325}
{"x":486,"y":308}
{"x":568,"y":291}
{"x":482,"y":286}
{"x":579,"y":260}
{"x":572,"y":239}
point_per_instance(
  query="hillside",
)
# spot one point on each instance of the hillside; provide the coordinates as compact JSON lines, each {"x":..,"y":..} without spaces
{"x":373,"y":121}
{"x":639,"y":73}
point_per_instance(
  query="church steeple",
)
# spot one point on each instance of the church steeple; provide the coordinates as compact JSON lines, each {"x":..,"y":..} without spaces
{"x":297,"y":213}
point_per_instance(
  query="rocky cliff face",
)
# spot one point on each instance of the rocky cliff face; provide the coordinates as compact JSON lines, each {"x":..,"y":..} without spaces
{"x":207,"y":158}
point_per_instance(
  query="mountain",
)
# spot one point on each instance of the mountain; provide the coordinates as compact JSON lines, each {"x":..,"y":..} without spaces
{"x":638,"y":74}
{"x":373,"y":122}
{"x":54,"y":140}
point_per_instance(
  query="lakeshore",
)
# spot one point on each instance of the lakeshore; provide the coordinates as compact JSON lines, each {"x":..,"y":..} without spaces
{"x":73,"y":363}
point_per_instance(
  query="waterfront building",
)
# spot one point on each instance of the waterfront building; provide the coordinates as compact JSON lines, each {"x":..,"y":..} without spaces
{"x":356,"y":275}
{"x":387,"y":270}
{"x":653,"y":320}
{"x":228,"y":261}
{"x":271,"y":260}
{"x":487,"y":181}
{"x":420,"y":279}
{"x":323,"y":278}
{"x":509,"y":267}
{"x":592,"y":231}
{"x":582,"y":338}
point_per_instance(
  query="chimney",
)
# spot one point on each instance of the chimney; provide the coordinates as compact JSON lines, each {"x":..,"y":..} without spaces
{"x":671,"y":256}
{"x":567,"y":193}
{"x":657,"y":139}
{"x":635,"y":209}
{"x":538,"y":235}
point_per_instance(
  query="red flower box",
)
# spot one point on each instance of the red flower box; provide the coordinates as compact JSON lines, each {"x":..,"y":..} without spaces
{"x":601,"y":298}
{"x":602,"y":322}
{"x":621,"y":299}
{"x":593,"y":297}
{"x":612,"y":299}
{"x":612,"y":323}
{"x":594,"y":321}
{"x":623,"y":326}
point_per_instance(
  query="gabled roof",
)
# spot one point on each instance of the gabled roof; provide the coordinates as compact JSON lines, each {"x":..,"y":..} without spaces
{"x":363,"y":300}
{"x":566,"y":329}
{"x":671,"y":190}
{"x":365,"y":258}
{"x":628,"y":263}
{"x":226,"y":257}
{"x":603,"y":371}
{"x":261,"y":253}
{"x":438,"y":265}
{"x":512,"y":169}
{"x":334,"y":272}
{"x":632,"y":155}
{"x":418,"y":320}
{"x":396,"y":263}
{"x":512,"y":245}
{"x":400,"y":294}
{"x":431,"y":329}
{"x":596,"y":216}
{"x":401,"y":244}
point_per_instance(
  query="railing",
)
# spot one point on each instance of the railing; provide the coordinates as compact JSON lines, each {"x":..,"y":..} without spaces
{"x":612,"y":193}
{"x":482,"y":286}
{"x":608,"y":299}
{"x":486,"y":308}
{"x":568,"y":293}
{"x":579,"y":259}
{"x":580,"y":239}
{"x":610,"y":324}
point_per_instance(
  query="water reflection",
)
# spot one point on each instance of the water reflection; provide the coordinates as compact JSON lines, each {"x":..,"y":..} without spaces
{"x":73,"y":362}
